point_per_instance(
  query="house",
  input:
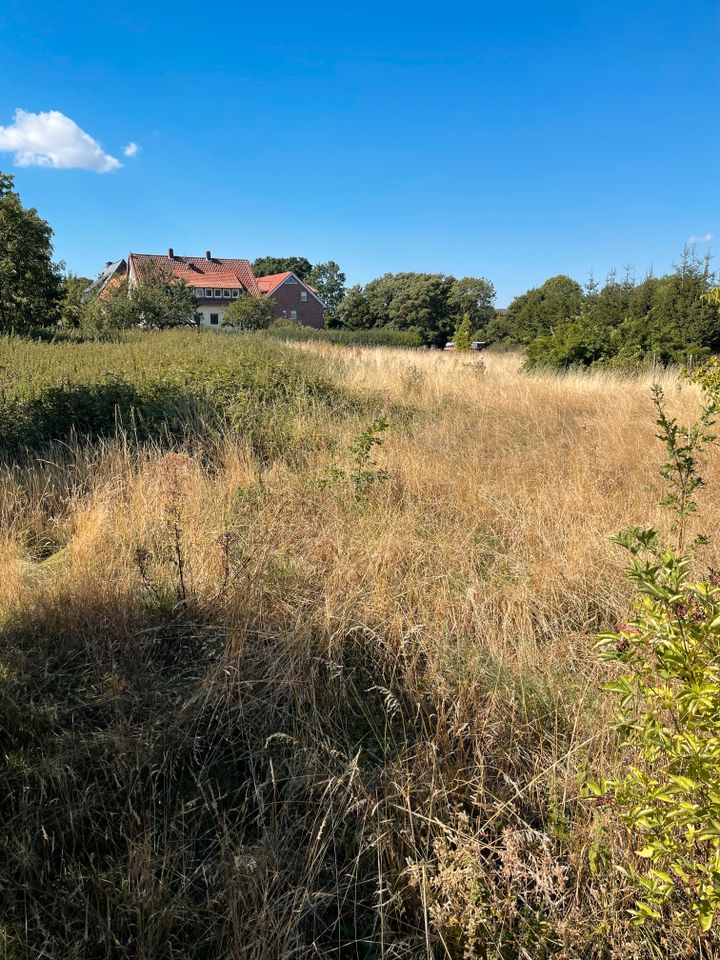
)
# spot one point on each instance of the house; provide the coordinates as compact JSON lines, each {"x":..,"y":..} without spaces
{"x":294,"y":299}
{"x":216,"y":282}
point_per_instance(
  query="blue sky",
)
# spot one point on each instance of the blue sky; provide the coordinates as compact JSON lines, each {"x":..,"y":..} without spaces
{"x":506,"y":141}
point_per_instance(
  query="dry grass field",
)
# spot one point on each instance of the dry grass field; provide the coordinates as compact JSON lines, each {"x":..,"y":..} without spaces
{"x":253,"y":709}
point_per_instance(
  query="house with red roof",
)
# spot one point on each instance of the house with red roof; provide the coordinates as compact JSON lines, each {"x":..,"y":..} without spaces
{"x":294,"y":299}
{"x":216,"y":282}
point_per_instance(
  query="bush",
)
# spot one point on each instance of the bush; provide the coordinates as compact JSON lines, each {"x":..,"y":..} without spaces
{"x":249,"y":313}
{"x":163,"y":386}
{"x":669,"y":713}
{"x":374,"y":337}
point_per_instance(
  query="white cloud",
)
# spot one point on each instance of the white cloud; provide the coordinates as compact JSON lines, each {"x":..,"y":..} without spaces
{"x":704,"y":239}
{"x":132,"y":149}
{"x":53,"y":140}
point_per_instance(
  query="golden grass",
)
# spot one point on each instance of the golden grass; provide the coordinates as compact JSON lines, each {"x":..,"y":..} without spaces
{"x":372,"y":714}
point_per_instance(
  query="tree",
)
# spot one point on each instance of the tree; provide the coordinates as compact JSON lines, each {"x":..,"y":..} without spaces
{"x":463,"y":333}
{"x":537,"y":312}
{"x":29,"y":280}
{"x":72,"y":307}
{"x":249,"y":313}
{"x":162,"y":300}
{"x":413,"y":301}
{"x":329,"y":281}
{"x":474,"y":297}
{"x":670,"y":319}
{"x":157,"y":301}
{"x":300,"y":266}
{"x":354,"y":311}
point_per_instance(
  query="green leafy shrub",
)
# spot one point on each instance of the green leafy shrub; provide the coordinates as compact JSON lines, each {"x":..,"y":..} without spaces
{"x":163,"y":386}
{"x":249,"y":313}
{"x":668,"y":719}
{"x":364,"y":472}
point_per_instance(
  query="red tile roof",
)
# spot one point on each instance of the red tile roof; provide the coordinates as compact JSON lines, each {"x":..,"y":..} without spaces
{"x":273,"y":280}
{"x":110,"y":285}
{"x":198,"y":271}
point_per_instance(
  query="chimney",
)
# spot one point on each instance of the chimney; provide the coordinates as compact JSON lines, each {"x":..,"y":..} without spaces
{"x":208,"y":255}
{"x":171,"y":253}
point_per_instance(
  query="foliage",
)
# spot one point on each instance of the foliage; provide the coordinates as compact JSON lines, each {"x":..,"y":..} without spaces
{"x":329,"y":281}
{"x":669,"y":710}
{"x":176,"y":385}
{"x":463,"y":333}
{"x":30,"y":283}
{"x":667,"y":319}
{"x":353,"y":312}
{"x":72,"y":307}
{"x":249,"y":313}
{"x":373,"y":337}
{"x":266,"y":266}
{"x":158,"y":301}
{"x":364,"y":471}
{"x":539,"y":311}
{"x":473,"y":297}
{"x":430,"y":303}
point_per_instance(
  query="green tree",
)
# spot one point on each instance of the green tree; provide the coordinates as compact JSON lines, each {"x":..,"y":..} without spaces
{"x":354,"y":312}
{"x":157,"y":301}
{"x":72,"y":307}
{"x":30,"y":283}
{"x":329,"y":281}
{"x":249,"y":313}
{"x":463,"y":334}
{"x":473,"y":296}
{"x":300,"y":266}
{"x":413,"y":301}
{"x":669,"y":319}
{"x":539,"y":311}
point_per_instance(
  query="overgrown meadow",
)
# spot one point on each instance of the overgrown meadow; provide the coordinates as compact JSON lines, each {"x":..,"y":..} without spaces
{"x":298,"y":651}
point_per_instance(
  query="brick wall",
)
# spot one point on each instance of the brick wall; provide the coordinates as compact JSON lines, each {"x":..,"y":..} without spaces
{"x":287,"y":298}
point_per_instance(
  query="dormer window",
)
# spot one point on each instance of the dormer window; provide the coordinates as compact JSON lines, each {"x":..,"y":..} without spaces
{"x":226,"y":293}
{"x":218,"y":293}
{"x":208,"y":292}
{"x":199,"y":292}
{"x":236,"y":294}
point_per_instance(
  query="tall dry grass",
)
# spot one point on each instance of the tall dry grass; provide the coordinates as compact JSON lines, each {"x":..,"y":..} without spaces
{"x":249,"y":713}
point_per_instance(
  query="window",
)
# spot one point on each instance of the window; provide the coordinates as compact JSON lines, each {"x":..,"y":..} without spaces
{"x":208,"y":293}
{"x":226,"y":293}
{"x":284,"y":313}
{"x":236,"y":294}
{"x":293,"y":314}
{"x":218,"y":293}
{"x":291,"y":280}
{"x":214,"y":319}
{"x":303,"y":296}
{"x":199,"y":292}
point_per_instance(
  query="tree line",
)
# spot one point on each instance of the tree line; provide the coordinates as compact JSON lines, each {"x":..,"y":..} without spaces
{"x":623,"y":323}
{"x":561,"y":323}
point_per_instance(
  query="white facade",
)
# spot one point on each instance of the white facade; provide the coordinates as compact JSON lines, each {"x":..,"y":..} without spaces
{"x":208,"y":314}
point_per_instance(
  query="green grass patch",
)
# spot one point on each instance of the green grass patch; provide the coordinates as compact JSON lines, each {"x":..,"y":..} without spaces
{"x":161,"y":386}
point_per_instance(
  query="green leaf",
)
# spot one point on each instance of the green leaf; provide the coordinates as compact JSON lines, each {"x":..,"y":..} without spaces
{"x":706,"y":914}
{"x":649,"y":852}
